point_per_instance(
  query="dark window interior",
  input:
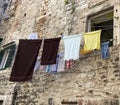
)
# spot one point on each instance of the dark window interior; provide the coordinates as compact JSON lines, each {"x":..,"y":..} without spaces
{"x":107,"y":30}
{"x":1,"y":102}
{"x":102,"y":21}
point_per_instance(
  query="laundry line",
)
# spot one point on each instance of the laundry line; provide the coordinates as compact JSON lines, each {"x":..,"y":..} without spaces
{"x":12,"y":49}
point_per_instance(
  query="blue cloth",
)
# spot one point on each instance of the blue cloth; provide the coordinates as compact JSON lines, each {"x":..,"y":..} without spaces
{"x":51,"y":68}
{"x":105,"y":50}
{"x":48,"y":69}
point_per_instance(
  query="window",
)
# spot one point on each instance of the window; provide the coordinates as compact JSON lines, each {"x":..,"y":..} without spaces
{"x":3,"y":100}
{"x":6,"y":55}
{"x":104,"y":21}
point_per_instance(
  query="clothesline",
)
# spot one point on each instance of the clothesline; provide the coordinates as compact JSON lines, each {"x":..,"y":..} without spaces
{"x":103,"y":26}
{"x":111,"y":39}
{"x":87,"y":56}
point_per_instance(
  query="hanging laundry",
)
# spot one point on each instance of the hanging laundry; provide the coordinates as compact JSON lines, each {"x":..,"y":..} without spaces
{"x":92,"y":40}
{"x":59,"y":66}
{"x":61,"y":62}
{"x":33,"y":35}
{"x":50,"y":50}
{"x":25,"y":60}
{"x":37,"y":64}
{"x":42,"y":68}
{"x":48,"y":68}
{"x":84,"y":52}
{"x":53,"y":68}
{"x":105,"y":50}
{"x":68,"y":64}
{"x":72,"y":47}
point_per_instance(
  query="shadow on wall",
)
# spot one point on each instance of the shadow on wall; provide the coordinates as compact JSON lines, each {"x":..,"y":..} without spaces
{"x":92,"y":102}
{"x":99,"y":102}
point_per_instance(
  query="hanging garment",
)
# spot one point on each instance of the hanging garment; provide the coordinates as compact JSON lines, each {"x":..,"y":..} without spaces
{"x":50,"y":50}
{"x":68,"y":64}
{"x":84,"y":52}
{"x":72,"y":47}
{"x":53,"y":68}
{"x":105,"y":50}
{"x":42,"y":68}
{"x":47,"y":69}
{"x":33,"y":36}
{"x":92,"y":40}
{"x":25,"y":60}
{"x":37,"y":64}
{"x":61,"y":62}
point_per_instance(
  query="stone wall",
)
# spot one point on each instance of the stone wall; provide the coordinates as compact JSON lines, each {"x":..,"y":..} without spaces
{"x":92,"y":81}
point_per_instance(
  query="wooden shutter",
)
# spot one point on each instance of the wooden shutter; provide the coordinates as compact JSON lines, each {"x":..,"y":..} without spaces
{"x":1,"y":56}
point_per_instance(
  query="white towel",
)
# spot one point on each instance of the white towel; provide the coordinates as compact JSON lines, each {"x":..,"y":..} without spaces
{"x":72,"y":47}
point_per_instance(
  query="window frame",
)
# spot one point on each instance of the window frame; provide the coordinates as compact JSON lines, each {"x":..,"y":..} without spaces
{"x":7,"y":54}
{"x":4,"y":59}
{"x":4,"y":99}
{"x":94,"y":16}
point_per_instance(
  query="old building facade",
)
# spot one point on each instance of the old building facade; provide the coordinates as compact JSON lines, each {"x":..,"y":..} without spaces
{"x":92,"y":80}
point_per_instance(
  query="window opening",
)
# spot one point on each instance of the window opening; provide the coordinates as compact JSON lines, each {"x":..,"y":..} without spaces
{"x":3,"y":99}
{"x":1,"y":102}
{"x":69,"y":103}
{"x":102,"y":21}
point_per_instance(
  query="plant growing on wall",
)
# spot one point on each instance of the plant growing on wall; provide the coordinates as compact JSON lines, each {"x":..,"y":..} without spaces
{"x":72,"y":2}
{"x":73,"y":8}
{"x":66,"y":2}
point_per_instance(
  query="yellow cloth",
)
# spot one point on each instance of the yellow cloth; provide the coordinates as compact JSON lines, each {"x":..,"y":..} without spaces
{"x":84,"y":52}
{"x":92,"y":40}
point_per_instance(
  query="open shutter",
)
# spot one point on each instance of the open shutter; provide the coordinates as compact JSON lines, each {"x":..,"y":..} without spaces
{"x":1,"y":51}
{"x":10,"y":56}
{"x":1,"y":57}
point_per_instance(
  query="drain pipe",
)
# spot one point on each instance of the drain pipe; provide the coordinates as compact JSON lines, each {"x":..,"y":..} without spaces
{"x":15,"y":92}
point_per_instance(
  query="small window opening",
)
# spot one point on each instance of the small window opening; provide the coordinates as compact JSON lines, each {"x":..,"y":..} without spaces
{"x":102,"y":21}
{"x":25,"y":15}
{"x":50,"y":101}
{"x":1,"y":102}
{"x":69,"y":103}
